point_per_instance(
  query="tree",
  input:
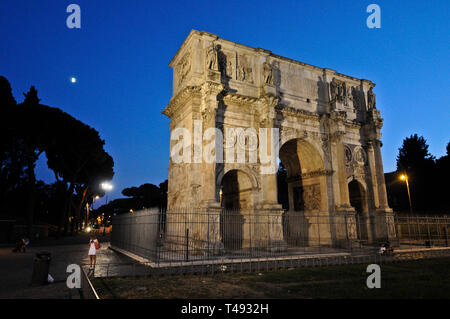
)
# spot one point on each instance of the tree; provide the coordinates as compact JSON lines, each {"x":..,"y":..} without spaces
{"x":78,"y":159}
{"x":415,"y":160}
{"x":11,"y":168}
{"x":163,"y":188}
{"x":413,"y":154}
{"x":74,"y":151}
{"x":31,"y":126}
{"x":145,"y":196}
{"x":22,"y":142}
{"x":441,"y":181}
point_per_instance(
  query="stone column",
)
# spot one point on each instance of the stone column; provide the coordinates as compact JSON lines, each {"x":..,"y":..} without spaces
{"x":336,"y":132}
{"x":342,"y":174}
{"x":209,"y":104}
{"x":384,"y":216}
{"x":268,"y":211}
{"x":382,"y":195}
{"x":205,"y":174}
{"x":268,"y":172}
{"x":373,"y":173}
{"x":344,"y":218}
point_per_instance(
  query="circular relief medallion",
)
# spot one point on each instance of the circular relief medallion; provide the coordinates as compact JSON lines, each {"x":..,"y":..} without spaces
{"x":359,"y":155}
{"x":348,"y":155}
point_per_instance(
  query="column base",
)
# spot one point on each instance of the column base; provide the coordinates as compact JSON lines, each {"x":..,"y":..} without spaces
{"x":266,"y":224}
{"x":269,"y":207}
{"x":385,"y":224}
{"x":270,"y":89}
{"x":345,"y":225}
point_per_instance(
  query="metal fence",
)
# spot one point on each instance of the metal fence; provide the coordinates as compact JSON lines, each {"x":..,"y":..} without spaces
{"x":139,"y":232}
{"x":191,"y":235}
{"x":143,"y":269}
{"x":423,"y":230}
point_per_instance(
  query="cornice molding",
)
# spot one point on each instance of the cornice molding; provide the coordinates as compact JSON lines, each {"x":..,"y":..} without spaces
{"x":287,"y":110}
{"x":238,"y":99}
{"x":180,"y":99}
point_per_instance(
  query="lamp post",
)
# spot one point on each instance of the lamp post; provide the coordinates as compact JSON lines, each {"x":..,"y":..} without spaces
{"x":92,"y":208}
{"x":106,"y":187}
{"x":404,"y":177}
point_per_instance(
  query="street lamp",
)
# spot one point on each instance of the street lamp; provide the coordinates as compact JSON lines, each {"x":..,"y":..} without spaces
{"x":92,"y":208}
{"x":404,"y":177}
{"x":94,"y":198}
{"x":106,"y":187}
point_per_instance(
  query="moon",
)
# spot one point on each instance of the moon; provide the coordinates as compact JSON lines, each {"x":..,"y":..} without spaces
{"x":73,"y":80}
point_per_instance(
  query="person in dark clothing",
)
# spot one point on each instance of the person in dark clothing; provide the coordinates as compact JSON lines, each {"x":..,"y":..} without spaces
{"x":20,"y":245}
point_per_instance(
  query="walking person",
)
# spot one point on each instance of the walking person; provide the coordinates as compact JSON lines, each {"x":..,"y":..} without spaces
{"x":93,"y":246}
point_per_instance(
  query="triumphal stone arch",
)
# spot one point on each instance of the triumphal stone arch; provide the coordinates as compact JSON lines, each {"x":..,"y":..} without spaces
{"x":237,"y":111}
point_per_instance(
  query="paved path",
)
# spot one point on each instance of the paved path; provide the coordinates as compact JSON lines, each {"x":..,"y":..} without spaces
{"x":16,"y":268}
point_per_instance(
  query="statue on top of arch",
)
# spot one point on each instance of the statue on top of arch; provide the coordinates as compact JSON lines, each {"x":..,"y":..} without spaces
{"x":211,"y":58}
{"x":371,"y":99}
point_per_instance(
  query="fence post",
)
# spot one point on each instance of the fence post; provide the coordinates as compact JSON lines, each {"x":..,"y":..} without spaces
{"x":187,"y":245}
{"x":251,"y":221}
{"x":346,"y":229}
{"x":318,"y":231}
{"x":446,"y":235}
{"x":358,"y":226}
{"x":437,"y":225}
{"x":207,"y":235}
{"x":418,"y":228}
{"x":409,"y":228}
{"x":428,"y":230}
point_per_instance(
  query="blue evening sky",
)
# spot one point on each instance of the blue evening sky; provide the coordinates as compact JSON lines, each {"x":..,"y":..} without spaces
{"x":121,"y":53}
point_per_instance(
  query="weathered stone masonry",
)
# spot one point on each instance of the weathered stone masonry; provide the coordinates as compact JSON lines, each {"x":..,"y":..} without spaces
{"x":329,"y":137}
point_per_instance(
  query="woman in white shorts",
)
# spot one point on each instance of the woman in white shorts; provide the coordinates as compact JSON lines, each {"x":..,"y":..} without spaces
{"x":93,"y":244}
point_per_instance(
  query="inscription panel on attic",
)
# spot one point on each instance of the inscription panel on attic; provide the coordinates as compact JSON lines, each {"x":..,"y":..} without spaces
{"x":329,"y":133}
{"x":244,"y":71}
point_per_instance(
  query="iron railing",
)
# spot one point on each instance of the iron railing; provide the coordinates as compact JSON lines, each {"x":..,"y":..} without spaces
{"x":423,"y":230}
{"x":143,"y":269}
{"x":193,"y":235}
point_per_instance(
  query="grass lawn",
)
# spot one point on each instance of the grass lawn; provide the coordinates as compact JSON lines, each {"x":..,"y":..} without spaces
{"x":429,"y":278}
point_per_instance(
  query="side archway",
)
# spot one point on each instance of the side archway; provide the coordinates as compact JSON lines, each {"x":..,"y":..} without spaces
{"x":236,"y":200}
{"x":358,"y":199}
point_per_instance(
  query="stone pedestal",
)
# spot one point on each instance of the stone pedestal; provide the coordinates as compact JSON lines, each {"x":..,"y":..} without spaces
{"x":214,"y":243}
{"x":345,"y":225}
{"x":267,"y":221}
{"x":270,"y":90}
{"x":214,"y":76}
{"x":385,"y":225}
{"x":310,"y":228}
{"x":199,"y":227}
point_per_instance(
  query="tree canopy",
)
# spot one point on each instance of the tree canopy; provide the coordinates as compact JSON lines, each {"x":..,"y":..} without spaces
{"x":427,"y":178}
{"x":74,"y":150}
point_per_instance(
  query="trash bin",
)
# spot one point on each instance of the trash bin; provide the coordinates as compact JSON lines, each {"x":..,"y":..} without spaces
{"x":41,"y":267}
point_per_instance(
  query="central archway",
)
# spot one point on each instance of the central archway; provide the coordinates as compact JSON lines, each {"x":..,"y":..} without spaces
{"x":305,"y":183}
{"x":304,"y":168}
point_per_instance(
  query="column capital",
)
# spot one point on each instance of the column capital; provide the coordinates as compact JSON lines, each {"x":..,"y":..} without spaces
{"x":370,"y":144}
{"x":212,"y":88}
